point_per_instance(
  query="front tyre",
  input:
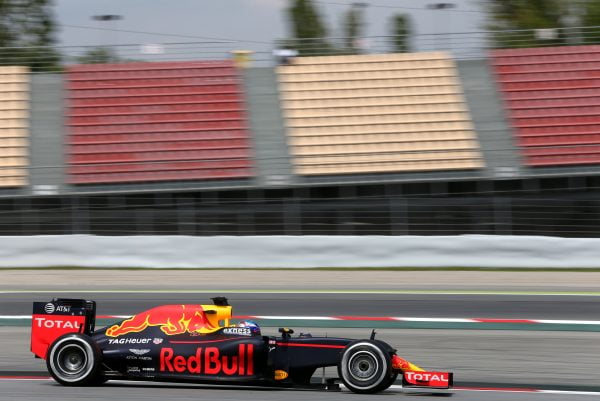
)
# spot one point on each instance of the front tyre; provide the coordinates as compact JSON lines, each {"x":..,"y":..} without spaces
{"x":366,"y":368}
{"x":73,"y":360}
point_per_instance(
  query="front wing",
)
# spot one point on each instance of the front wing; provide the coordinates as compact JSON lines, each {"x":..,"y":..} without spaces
{"x":427,"y":380}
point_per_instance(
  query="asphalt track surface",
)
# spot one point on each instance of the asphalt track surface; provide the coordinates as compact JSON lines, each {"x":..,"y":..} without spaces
{"x":417,"y":305}
{"x":485,"y":357}
{"x":21,"y":279}
{"x":50,"y":391}
{"x":478,"y":357}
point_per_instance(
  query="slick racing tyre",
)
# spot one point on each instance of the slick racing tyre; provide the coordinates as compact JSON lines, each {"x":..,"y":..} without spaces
{"x":366,"y":368}
{"x":74,"y":360}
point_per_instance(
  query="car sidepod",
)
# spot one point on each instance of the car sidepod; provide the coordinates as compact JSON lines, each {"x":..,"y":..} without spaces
{"x":294,"y":360}
{"x":215,"y":357}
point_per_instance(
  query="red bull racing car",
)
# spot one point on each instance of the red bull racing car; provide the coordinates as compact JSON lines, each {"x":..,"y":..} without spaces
{"x":197,"y":343}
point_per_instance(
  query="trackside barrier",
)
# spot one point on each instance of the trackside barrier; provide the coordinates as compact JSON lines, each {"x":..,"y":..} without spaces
{"x":299,"y":251}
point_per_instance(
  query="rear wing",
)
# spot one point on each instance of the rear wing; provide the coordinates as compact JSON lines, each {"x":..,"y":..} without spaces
{"x":51,"y":320}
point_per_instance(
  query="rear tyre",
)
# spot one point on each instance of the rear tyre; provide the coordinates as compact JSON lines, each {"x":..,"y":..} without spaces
{"x":366,"y":368}
{"x":74,"y":360}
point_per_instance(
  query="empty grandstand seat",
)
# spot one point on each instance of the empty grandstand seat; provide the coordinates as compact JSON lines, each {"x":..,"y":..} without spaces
{"x":14,"y":131}
{"x":139,"y":122}
{"x":376,"y":113}
{"x":553,"y":99}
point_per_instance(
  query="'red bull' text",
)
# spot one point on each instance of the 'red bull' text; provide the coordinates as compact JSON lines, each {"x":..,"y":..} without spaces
{"x":209,"y":361}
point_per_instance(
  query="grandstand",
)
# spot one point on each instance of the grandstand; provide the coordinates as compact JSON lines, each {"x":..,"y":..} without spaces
{"x":552,"y":98}
{"x":134,"y":122}
{"x":14,"y":114}
{"x":389,"y":144}
{"x":377,"y":114}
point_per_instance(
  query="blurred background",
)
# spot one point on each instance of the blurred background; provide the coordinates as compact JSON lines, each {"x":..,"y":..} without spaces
{"x":300,"y":117}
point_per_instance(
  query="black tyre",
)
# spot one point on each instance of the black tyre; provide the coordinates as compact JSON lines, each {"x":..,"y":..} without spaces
{"x":391,"y":379}
{"x":74,"y":360}
{"x":366,"y":367}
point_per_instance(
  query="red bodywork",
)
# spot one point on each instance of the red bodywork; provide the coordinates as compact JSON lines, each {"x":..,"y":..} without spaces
{"x":441,"y":380}
{"x":45,"y":328}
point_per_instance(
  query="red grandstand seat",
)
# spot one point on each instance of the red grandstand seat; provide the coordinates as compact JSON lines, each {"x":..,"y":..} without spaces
{"x":559,"y":140}
{"x":135,"y":122}
{"x":157,"y":137}
{"x":553,"y":99}
{"x":161,"y":176}
{"x":170,"y":166}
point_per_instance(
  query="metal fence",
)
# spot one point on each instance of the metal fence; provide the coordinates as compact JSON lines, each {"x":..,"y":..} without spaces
{"x":517,"y":207}
{"x":353,"y":210}
{"x":462,"y":45}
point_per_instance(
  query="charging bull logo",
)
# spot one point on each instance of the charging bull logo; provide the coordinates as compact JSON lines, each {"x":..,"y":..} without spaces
{"x":172,"y":319}
{"x":404,"y":365}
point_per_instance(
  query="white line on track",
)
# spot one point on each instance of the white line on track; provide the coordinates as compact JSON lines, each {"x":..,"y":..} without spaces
{"x":515,"y":390}
{"x":6,"y":378}
{"x":15,"y":316}
{"x":116,"y":317}
{"x":292,"y":291}
{"x":394,"y":387}
{"x":366,"y":318}
{"x":569,"y":392}
{"x":295,"y":317}
{"x":568,"y":321}
{"x":436,"y":319}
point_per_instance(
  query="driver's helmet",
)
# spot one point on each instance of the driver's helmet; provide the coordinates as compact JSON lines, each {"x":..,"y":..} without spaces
{"x":254,"y":328}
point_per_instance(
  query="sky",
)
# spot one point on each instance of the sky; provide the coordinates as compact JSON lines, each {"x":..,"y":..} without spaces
{"x":249,"y":24}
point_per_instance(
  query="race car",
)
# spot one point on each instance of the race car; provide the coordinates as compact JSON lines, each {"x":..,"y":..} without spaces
{"x":197,"y":343}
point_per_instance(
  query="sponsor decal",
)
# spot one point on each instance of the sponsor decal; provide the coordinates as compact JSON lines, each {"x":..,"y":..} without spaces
{"x":157,"y":341}
{"x":49,"y":308}
{"x":139,"y":351}
{"x":133,"y":369}
{"x":430,"y":379}
{"x":138,"y":358}
{"x":209,"y":361}
{"x":128,"y":341}
{"x":238,"y":331}
{"x":171,"y":319}
{"x":56,"y":323}
{"x":148,"y":369}
{"x":281,"y":374}
{"x":46,"y":328}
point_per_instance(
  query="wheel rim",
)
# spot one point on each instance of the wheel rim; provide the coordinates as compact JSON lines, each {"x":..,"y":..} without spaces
{"x":363,"y":366}
{"x":71,"y":360}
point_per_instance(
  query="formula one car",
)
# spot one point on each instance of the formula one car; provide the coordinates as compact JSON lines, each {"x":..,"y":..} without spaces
{"x":197,"y":343}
